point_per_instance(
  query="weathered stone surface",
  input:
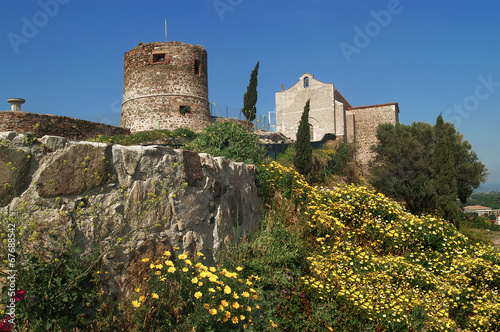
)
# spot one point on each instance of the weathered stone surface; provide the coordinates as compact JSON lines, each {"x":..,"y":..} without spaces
{"x":14,"y":168}
{"x":155,"y":198}
{"x":78,"y":169}
{"x":191,"y":166}
{"x":53,"y":143}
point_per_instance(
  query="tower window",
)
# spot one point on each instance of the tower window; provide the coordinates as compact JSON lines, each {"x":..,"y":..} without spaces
{"x":184,"y":109}
{"x":197,"y":67}
{"x":159,"y":58}
{"x":306,"y":82}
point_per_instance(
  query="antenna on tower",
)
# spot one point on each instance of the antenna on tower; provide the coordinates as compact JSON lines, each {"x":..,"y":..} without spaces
{"x":165,"y":30}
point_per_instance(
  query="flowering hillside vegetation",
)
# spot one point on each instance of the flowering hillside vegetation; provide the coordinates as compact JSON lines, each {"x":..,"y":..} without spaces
{"x":399,"y":271}
{"x":345,"y":259}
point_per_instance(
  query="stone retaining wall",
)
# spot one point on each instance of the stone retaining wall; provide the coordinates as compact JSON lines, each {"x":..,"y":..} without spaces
{"x":46,"y":124}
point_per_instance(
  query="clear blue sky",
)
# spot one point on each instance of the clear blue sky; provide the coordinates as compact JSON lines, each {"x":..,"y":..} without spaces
{"x":65,"y":57}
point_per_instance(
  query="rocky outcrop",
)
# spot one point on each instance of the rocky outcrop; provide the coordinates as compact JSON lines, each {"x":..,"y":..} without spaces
{"x":126,"y":202}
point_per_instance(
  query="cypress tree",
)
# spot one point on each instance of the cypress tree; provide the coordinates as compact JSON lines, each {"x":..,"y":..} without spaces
{"x":250,"y":97}
{"x":445,"y":182}
{"x":303,"y":149}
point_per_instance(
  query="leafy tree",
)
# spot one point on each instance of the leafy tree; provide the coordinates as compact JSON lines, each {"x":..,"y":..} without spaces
{"x":444,"y":173}
{"x":470,"y":172}
{"x":401,"y":168}
{"x":303,"y":149}
{"x":250,"y":97}
{"x":404,"y":165}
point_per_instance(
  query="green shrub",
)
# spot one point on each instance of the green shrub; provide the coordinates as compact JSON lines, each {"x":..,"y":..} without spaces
{"x":472,"y":220}
{"x":229,"y":140}
{"x":330,"y":161}
{"x":327,"y":161}
{"x":60,"y":294}
{"x":178,"y":137}
{"x":286,"y":158}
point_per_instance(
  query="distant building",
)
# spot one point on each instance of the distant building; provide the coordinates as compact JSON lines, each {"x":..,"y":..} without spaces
{"x":480,"y":210}
{"x":331,"y":113}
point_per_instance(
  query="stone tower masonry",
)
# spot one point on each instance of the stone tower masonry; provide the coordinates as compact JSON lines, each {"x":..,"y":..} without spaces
{"x":165,"y":86}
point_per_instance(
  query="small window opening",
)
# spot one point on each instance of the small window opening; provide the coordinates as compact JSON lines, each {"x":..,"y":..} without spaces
{"x":159,"y":57}
{"x":311,"y":133}
{"x":184,"y":110}
{"x":197,"y":67}
{"x":306,"y":82}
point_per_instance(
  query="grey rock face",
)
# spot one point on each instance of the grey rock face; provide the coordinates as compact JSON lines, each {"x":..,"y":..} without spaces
{"x":126,"y":203}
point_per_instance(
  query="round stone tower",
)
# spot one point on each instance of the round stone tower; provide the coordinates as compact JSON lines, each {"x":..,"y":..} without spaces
{"x":165,"y":86}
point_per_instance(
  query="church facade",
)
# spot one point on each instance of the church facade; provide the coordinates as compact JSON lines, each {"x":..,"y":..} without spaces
{"x":331,"y":113}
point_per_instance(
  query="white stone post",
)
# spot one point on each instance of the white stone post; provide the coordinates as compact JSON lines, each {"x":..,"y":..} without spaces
{"x":15,"y":104}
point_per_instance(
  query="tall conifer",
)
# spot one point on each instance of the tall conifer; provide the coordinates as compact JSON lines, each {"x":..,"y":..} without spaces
{"x":250,"y":97}
{"x":303,"y":149}
{"x":445,"y":182}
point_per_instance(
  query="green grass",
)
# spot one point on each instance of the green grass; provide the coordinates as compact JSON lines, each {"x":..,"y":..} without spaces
{"x":179,"y":136}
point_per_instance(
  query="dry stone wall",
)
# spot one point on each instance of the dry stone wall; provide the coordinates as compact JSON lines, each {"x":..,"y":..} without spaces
{"x":45,"y":124}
